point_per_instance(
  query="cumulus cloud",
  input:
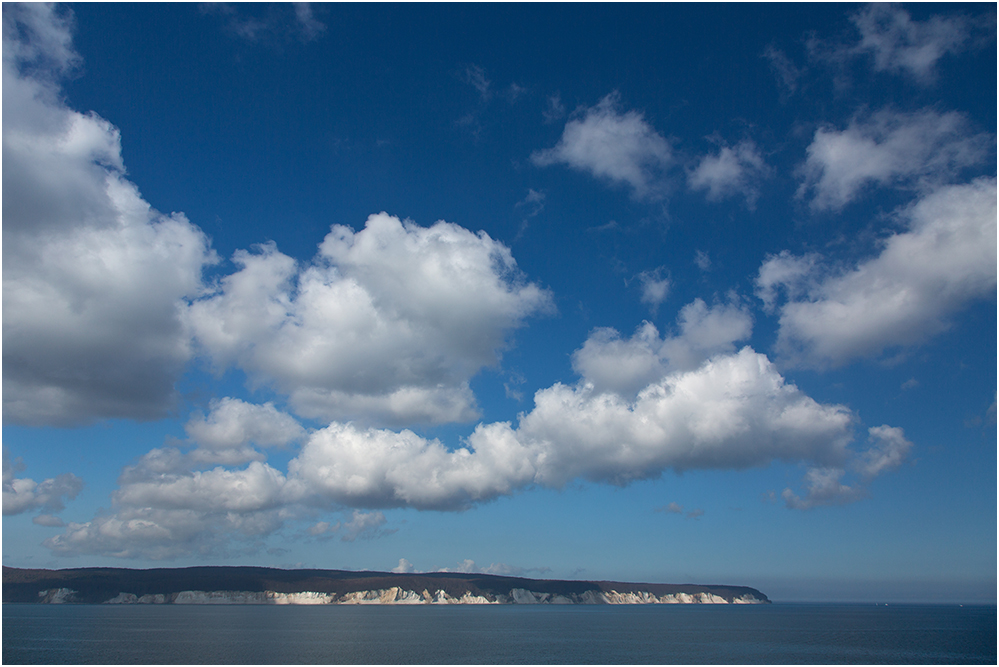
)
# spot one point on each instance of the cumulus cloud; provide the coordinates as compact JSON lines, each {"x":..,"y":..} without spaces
{"x":465,"y":566}
{"x":734,"y":411}
{"x":703,"y":406}
{"x":404,"y":567}
{"x":733,"y":171}
{"x":94,"y":278}
{"x":164,"y":534}
{"x":626,"y":366}
{"x":24,"y":495}
{"x":232,"y":427}
{"x":620,"y":147}
{"x":945,"y":258}
{"x":387,"y":324}
{"x":163,"y":511}
{"x":897,"y":43}
{"x":379,"y":468}
{"x":795,"y":275}
{"x":918,"y":150}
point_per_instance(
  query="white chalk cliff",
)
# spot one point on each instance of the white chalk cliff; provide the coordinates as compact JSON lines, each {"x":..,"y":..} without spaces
{"x":397,"y":595}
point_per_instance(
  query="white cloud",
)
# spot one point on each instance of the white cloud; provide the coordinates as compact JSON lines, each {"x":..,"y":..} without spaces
{"x":787,"y":72}
{"x":226,"y":434}
{"x":702,"y":260}
{"x":23,"y":495}
{"x":404,"y":567}
{"x":475,"y":76}
{"x":93,"y":276}
{"x":533,"y":203}
{"x":900,"y":44}
{"x":626,"y":366}
{"x":672,"y":508}
{"x":554,"y":109}
{"x":677,"y":508}
{"x":363,"y":525}
{"x":730,"y":411}
{"x":309,"y":26}
{"x":388,"y":324}
{"x":824,"y":488}
{"x":255,"y":488}
{"x":655,"y":288}
{"x":269,"y":25}
{"x":914,"y":150}
{"x":887,"y":451}
{"x":48,"y":521}
{"x":465,"y":566}
{"x":733,"y":412}
{"x":616,"y":146}
{"x":890,"y":451}
{"x":784,"y":271}
{"x":164,"y":534}
{"x":164,"y":510}
{"x":733,"y":171}
{"x":922,"y":276}
{"x":380,"y":468}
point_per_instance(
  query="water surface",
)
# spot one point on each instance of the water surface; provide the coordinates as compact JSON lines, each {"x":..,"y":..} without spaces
{"x":471,"y":634}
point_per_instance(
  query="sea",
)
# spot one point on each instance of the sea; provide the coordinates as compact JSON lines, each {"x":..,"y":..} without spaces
{"x":510,"y":634}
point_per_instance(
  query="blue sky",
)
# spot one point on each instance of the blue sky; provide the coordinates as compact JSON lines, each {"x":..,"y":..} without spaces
{"x":695,"y":293}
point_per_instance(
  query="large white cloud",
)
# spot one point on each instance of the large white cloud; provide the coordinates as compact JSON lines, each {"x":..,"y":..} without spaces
{"x":945,"y":258}
{"x":913,"y":150}
{"x":387,"y":324}
{"x":620,"y":147}
{"x":701,"y":405}
{"x":93,"y":277}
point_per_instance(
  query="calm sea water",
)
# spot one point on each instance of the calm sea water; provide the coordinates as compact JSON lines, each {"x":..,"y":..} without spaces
{"x":778,"y":633}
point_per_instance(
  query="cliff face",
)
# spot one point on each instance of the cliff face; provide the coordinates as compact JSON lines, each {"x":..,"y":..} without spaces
{"x":225,"y":585}
{"x":399,"y":596}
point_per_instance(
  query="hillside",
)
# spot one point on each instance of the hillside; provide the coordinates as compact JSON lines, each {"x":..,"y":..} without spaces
{"x":262,"y":585}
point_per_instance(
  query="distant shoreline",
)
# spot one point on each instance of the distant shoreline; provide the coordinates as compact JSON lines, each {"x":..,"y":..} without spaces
{"x":221,"y":585}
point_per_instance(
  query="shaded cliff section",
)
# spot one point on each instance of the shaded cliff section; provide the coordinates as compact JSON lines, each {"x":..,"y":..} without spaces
{"x":99,"y":585}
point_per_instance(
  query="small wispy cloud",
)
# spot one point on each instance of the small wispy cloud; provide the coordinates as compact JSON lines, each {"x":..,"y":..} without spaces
{"x":554,"y":109}
{"x":275,"y":24}
{"x":677,"y":508}
{"x":362,"y":525}
{"x":475,"y":76}
{"x":655,"y":288}
{"x":786,"y":72}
